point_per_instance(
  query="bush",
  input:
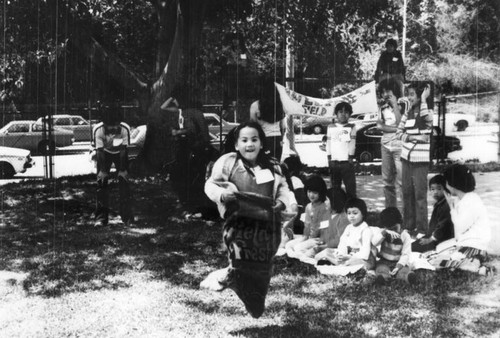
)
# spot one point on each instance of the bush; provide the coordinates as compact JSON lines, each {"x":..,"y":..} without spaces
{"x":455,"y":74}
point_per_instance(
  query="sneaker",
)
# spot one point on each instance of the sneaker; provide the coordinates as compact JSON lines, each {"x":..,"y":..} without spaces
{"x":99,"y":224}
{"x":412,"y":278}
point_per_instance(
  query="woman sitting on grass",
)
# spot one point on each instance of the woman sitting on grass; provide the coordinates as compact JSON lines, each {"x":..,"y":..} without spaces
{"x":250,"y":191}
{"x":467,"y":251}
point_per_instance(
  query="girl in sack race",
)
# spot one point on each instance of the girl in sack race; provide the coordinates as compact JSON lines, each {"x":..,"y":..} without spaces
{"x":250,"y":192}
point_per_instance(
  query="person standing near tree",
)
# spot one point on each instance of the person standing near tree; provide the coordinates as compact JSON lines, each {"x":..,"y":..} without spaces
{"x":390,"y":65}
{"x":268,"y":113}
{"x":415,"y":129}
{"x":390,"y":146}
{"x":111,"y":138}
{"x":192,"y":153}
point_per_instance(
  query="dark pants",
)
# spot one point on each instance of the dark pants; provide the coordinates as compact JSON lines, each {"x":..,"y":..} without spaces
{"x":417,"y":247}
{"x":343,"y":171}
{"x":102,"y":208}
{"x":415,"y":196}
{"x":188,"y":174}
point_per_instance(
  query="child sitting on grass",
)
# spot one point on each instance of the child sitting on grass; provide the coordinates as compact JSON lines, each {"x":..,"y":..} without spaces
{"x":330,"y":236}
{"x":395,"y":249}
{"x":317,"y":213}
{"x":440,"y":224}
{"x":355,"y":244}
{"x":468,"y":249}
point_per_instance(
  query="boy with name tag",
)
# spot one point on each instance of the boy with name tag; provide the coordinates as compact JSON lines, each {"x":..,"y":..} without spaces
{"x":340,"y":148}
{"x":111,"y":139}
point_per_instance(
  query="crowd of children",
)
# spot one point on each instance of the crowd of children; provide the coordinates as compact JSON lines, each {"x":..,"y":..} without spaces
{"x":271,"y":208}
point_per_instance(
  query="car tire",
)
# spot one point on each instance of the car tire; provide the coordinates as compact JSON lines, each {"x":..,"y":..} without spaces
{"x":462,"y":125}
{"x":46,"y":147}
{"x":317,"y":130}
{"x":6,"y":170}
{"x":365,"y":156}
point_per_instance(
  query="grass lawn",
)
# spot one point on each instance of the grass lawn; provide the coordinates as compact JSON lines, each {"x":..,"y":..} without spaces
{"x":144,"y":281}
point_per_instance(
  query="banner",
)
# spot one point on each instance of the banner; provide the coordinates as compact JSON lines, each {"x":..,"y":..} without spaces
{"x":362,"y":100}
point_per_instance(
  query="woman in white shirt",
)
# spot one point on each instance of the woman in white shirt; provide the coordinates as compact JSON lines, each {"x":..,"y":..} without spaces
{"x":268,"y":112}
{"x":472,"y":227}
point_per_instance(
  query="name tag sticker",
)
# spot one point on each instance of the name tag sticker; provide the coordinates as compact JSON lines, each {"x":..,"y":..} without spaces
{"x":303,"y":217}
{"x":324,"y":224}
{"x":117,"y":142}
{"x":395,"y":59}
{"x":263,"y":176}
{"x":410,"y":123}
{"x":346,"y":135}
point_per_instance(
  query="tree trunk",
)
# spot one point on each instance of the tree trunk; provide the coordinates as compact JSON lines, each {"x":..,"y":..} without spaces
{"x":159,"y":148}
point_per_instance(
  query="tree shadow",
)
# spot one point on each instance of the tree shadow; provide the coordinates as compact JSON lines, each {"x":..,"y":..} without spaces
{"x":46,"y":230}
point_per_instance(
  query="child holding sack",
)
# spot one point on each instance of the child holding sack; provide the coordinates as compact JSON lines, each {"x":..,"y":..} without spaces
{"x":250,"y":191}
{"x":395,"y":249}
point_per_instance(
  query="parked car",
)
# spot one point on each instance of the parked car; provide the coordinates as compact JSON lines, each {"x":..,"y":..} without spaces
{"x":214,"y":121}
{"x":312,"y":124}
{"x":137,"y":139}
{"x":29,"y":135}
{"x":364,"y":118}
{"x":368,"y":144}
{"x":14,"y":161}
{"x":80,"y":127}
{"x":456,"y":121}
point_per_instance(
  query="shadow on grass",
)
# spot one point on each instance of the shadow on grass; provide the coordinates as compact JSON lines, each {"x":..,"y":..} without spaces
{"x":46,"y":229}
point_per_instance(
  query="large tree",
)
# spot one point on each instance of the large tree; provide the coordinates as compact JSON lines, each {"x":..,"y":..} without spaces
{"x":154,"y":50}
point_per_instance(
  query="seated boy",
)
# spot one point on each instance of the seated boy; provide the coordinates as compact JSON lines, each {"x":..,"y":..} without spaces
{"x":395,"y":249}
{"x":440,"y":224}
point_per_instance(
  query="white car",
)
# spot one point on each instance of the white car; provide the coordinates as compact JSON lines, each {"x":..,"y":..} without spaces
{"x":456,"y":121}
{"x":214,"y":123}
{"x":14,"y":161}
{"x":80,"y":127}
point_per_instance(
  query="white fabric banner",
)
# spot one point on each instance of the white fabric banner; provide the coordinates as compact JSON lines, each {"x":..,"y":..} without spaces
{"x":362,"y":100}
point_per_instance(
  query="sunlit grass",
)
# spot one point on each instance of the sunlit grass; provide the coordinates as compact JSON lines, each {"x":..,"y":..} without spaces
{"x":144,"y":281}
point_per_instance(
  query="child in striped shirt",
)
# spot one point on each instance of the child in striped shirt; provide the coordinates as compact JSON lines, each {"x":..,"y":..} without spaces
{"x":395,"y":249}
{"x":415,"y":128}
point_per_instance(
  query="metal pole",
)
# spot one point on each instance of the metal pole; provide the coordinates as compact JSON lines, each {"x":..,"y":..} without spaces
{"x":289,"y":139}
{"x":403,"y":43}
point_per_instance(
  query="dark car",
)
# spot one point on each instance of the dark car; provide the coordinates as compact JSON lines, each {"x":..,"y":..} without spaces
{"x":368,"y":144}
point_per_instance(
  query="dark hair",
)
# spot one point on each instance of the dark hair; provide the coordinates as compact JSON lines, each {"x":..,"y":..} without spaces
{"x":264,"y":160}
{"x":338,"y":198}
{"x":460,"y":177}
{"x":390,"y":216}
{"x":112,"y":114}
{"x":294,"y":165}
{"x":438,"y":179}
{"x":391,"y":42}
{"x":390,"y":84}
{"x":419,"y":87}
{"x":317,"y":184}
{"x":357,"y":203}
{"x":343,"y":105}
